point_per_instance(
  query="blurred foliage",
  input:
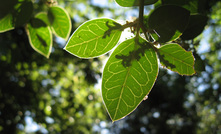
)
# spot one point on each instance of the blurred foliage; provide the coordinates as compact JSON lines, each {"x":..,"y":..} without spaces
{"x":60,"y":96}
{"x":60,"y":88}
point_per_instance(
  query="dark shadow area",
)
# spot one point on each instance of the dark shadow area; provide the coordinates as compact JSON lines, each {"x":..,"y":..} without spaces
{"x":134,"y":55}
{"x":6,"y":7}
{"x":111,"y":27}
{"x":23,"y":14}
{"x":167,"y":23}
{"x":194,"y":6}
{"x":195,"y":27}
{"x":43,"y":42}
{"x":37,"y":23}
{"x":166,"y":62}
{"x":21,"y":11}
{"x":51,"y":17}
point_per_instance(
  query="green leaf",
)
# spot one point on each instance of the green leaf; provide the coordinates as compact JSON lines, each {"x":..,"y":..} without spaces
{"x":130,"y":3}
{"x":40,"y":35}
{"x":6,"y":23}
{"x":128,"y":77}
{"x":199,"y":63}
{"x":177,"y":59}
{"x":145,"y":21}
{"x":195,"y":27}
{"x":18,"y":16}
{"x":191,"y":5}
{"x":43,"y":19}
{"x":94,"y":38}
{"x":60,"y":21}
{"x":23,"y":13}
{"x":168,"y":22}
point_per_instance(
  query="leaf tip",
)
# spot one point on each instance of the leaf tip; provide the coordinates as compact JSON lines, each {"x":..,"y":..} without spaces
{"x":65,"y":48}
{"x":47,"y":56}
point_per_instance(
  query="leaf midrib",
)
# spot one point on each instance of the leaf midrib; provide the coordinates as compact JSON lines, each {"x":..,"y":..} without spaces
{"x":97,"y":37}
{"x":123,"y":87}
{"x":178,"y":60}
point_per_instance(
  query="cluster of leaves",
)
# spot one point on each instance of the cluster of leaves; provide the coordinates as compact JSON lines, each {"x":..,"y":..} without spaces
{"x":40,"y":27}
{"x":132,"y":68}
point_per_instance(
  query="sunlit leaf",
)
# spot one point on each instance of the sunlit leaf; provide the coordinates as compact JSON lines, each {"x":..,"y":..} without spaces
{"x":60,"y":21}
{"x":168,"y":22}
{"x":6,"y":23}
{"x":94,"y":38}
{"x":195,"y":27}
{"x":177,"y":59}
{"x":43,"y":16}
{"x":130,"y":3}
{"x":40,"y":35}
{"x":128,"y":77}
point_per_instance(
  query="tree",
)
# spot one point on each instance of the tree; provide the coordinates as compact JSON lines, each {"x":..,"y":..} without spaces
{"x":129,"y":66}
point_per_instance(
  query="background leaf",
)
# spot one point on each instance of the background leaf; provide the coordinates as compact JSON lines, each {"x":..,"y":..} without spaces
{"x":130,"y":3}
{"x":195,"y":27}
{"x":22,"y":13}
{"x":6,"y":23}
{"x":18,"y":15}
{"x":128,"y":77}
{"x":177,"y":59}
{"x":40,"y":35}
{"x":199,"y":65}
{"x":60,"y":21}
{"x":168,"y":22}
{"x":191,"y":5}
{"x":94,"y":38}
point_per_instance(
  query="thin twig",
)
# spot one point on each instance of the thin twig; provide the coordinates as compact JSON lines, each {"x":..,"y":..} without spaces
{"x":129,"y":24}
{"x":140,"y":20}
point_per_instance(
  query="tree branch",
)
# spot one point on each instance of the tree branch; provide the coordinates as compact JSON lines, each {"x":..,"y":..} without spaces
{"x":140,"y":20}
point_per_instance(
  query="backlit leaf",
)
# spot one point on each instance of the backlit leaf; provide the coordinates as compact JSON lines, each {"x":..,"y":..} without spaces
{"x":177,"y":59}
{"x":168,"y":22}
{"x":94,"y":38}
{"x":40,"y":35}
{"x":6,"y":23}
{"x":128,"y":77}
{"x":43,"y":17}
{"x":130,"y":3}
{"x":60,"y":21}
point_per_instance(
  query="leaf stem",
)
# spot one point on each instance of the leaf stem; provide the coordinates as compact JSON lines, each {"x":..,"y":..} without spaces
{"x":140,"y":20}
{"x":129,"y":24}
{"x":141,"y":24}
